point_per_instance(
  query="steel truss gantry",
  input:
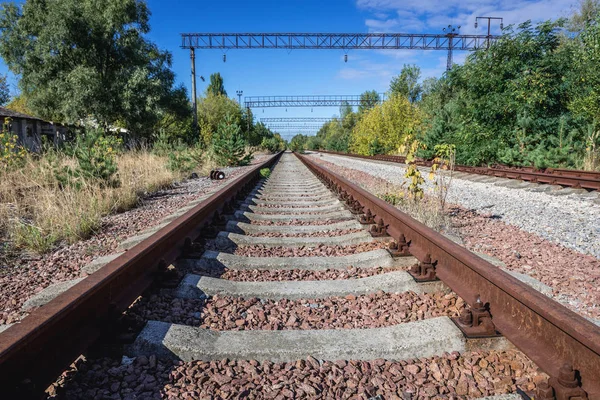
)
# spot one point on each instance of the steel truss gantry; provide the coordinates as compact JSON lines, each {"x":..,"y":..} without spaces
{"x":275,"y":127}
{"x":340,"y":41}
{"x":449,"y":41}
{"x":304,"y":101}
{"x":315,"y":120}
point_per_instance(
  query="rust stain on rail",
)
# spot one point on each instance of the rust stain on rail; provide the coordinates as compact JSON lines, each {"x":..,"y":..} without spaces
{"x":546,"y":331}
{"x":35,"y":351}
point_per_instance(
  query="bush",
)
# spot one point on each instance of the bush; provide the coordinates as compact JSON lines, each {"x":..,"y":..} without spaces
{"x":11,"y":154}
{"x":229,"y":145}
{"x":265,"y":173}
{"x":96,"y":161}
{"x":272,"y":144}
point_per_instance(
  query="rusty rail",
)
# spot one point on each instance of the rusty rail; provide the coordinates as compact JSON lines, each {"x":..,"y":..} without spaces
{"x":547,"y":332}
{"x":35,"y":351}
{"x":589,"y":180}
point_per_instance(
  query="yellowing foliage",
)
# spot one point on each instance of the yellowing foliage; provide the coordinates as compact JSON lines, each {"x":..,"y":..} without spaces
{"x":384,"y":128}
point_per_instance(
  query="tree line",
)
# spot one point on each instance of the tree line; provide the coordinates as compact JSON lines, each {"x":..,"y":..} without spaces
{"x":532,"y":98}
{"x":89,"y":63}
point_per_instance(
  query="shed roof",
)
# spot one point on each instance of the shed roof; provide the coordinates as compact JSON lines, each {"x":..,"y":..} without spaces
{"x":5,"y":112}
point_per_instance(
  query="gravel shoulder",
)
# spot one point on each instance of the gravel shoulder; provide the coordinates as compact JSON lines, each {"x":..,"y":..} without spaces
{"x":30,"y":274}
{"x":573,"y":276}
{"x":565,"y":219}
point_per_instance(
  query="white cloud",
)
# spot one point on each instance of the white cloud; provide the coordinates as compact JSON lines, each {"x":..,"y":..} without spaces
{"x":433,"y":15}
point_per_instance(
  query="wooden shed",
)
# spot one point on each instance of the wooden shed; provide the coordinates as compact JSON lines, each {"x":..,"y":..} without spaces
{"x":30,"y":129}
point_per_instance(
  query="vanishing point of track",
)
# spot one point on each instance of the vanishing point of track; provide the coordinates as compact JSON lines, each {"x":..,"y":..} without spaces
{"x":299,"y":199}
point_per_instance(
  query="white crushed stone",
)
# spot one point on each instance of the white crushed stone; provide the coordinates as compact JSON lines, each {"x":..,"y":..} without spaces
{"x":570,"y":220}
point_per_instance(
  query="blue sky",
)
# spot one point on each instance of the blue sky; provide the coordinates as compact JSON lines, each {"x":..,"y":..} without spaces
{"x":310,"y":72}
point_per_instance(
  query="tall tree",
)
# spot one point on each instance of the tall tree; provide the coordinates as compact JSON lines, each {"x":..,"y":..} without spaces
{"x":216,"y":86}
{"x":407,"y":83}
{"x":588,"y":12}
{"x":81,"y":59}
{"x":345,"y":110}
{"x":368,"y":100}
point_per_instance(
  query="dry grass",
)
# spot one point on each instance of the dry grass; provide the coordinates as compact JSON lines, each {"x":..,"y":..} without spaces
{"x":36,"y":213}
{"x":426,"y":210}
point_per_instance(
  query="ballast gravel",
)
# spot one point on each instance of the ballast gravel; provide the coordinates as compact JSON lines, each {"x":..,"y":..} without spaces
{"x":338,"y":232}
{"x":258,"y":275}
{"x":27,"y":275}
{"x":451,"y":376}
{"x":573,"y":276}
{"x":296,"y":222}
{"x":234,"y":313}
{"x":564,"y":219}
{"x":318,"y":251}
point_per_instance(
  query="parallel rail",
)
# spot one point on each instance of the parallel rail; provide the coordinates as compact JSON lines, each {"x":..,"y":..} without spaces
{"x":589,"y":180}
{"x":547,"y":332}
{"x":35,"y":351}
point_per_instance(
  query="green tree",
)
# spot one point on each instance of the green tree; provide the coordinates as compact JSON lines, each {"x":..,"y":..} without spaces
{"x":212,"y":110}
{"x":229,"y":145}
{"x":368,"y":100}
{"x":588,"y":12}
{"x":19,"y":104}
{"x":81,"y":59}
{"x":298,"y":142}
{"x":509,"y":103}
{"x":216,"y":87}
{"x":407,"y":83}
{"x":4,"y":90}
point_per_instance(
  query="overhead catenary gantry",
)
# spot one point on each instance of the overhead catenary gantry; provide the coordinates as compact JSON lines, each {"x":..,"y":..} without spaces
{"x":306,"y":101}
{"x":449,"y":41}
{"x":275,"y":127}
{"x":295,"y":120}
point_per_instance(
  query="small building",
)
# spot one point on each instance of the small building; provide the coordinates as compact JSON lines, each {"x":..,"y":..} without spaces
{"x":30,"y":129}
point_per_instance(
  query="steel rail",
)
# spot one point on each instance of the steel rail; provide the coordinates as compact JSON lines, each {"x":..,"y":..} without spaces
{"x":35,"y":351}
{"x":546,"y":331}
{"x":589,"y":180}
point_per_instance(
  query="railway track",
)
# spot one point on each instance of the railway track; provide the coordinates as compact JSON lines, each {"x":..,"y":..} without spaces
{"x":588,"y":180}
{"x":301,"y":286}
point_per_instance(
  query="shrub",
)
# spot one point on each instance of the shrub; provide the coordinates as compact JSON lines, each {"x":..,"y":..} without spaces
{"x":272,"y":144}
{"x":229,"y":145}
{"x":96,"y":161}
{"x":265,"y":173}
{"x":11,"y":154}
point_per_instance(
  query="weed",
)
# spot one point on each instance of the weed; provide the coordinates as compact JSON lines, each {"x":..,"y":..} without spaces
{"x":265,"y":173}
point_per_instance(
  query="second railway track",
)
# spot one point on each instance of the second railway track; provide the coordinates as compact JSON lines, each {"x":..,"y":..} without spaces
{"x":307,"y":287}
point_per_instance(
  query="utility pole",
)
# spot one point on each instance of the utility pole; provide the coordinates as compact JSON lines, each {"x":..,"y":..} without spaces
{"x":451,"y":32}
{"x":239,"y":94}
{"x":194,"y":107}
{"x":489,"y":26}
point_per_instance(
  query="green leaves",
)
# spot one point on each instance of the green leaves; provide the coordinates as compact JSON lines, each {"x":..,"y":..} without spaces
{"x":521,"y":102}
{"x":89,"y":60}
{"x":229,"y":145}
{"x":407,"y":83}
{"x":216,"y":87}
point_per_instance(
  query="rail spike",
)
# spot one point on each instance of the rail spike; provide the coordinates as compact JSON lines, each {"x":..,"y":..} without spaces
{"x":399,"y":248}
{"x":424,"y":271}
{"x":380,"y":229}
{"x":564,"y":387}
{"x":368,"y":218}
{"x":357,"y":208}
{"x":476,"y":321}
